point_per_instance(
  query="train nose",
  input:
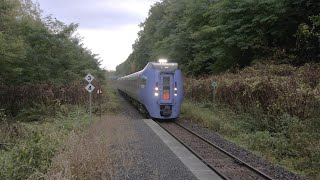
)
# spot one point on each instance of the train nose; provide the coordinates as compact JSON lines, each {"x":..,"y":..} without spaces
{"x":165,"y":110}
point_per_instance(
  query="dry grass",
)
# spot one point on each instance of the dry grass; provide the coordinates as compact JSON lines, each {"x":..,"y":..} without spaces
{"x":270,"y":109}
{"x":97,"y":153}
{"x":275,"y":89}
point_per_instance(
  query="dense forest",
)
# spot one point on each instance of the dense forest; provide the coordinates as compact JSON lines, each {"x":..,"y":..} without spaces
{"x":42,"y":97}
{"x":209,"y":37}
{"x":41,"y":58}
{"x":37,"y":49}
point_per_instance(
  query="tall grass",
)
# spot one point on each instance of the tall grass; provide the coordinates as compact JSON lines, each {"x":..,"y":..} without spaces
{"x":36,"y":121}
{"x":293,"y":146}
{"x":14,"y":98}
{"x":33,"y":144}
{"x":273,"y":110}
{"x":275,"y":89}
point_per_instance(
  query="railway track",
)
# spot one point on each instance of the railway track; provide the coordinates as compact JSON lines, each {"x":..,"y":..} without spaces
{"x":223,"y":163}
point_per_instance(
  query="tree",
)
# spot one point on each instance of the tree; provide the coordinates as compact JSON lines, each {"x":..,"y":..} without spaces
{"x":35,"y":50}
{"x":206,"y":36}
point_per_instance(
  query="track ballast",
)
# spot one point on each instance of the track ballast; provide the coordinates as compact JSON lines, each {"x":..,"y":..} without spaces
{"x":223,"y":163}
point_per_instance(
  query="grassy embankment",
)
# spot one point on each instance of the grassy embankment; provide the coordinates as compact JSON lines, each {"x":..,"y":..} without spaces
{"x":33,"y":137}
{"x":271,"y":110}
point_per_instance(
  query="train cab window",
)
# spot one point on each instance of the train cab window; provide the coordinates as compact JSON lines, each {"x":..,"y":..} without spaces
{"x":166,"y":88}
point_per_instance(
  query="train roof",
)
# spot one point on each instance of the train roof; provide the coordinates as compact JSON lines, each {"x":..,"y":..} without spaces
{"x":131,"y":76}
{"x":162,"y":67}
{"x":166,"y":67}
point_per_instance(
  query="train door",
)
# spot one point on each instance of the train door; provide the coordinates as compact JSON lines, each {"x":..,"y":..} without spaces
{"x":166,"y":94}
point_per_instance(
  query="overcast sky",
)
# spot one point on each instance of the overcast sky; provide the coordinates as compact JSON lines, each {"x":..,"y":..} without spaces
{"x":109,"y":27}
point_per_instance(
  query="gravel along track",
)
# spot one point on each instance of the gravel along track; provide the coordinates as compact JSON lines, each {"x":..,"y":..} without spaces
{"x":276,"y":172}
{"x":221,"y":162}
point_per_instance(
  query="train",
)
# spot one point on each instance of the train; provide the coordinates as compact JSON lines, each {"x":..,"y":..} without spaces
{"x":158,"y":87}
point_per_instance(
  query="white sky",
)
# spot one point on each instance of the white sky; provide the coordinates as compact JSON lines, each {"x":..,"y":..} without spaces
{"x":108,"y":27}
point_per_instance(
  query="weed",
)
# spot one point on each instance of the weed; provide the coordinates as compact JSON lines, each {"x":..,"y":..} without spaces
{"x":285,"y":140}
{"x":97,"y":153}
{"x":3,"y":116}
{"x":275,"y":111}
{"x":273,"y":89}
{"x":36,"y":143}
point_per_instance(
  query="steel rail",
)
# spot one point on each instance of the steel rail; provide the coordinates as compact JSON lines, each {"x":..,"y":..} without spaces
{"x":227,"y":153}
{"x":195,"y":153}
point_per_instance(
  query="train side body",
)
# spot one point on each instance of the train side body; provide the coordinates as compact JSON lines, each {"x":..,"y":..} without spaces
{"x":158,"y":87}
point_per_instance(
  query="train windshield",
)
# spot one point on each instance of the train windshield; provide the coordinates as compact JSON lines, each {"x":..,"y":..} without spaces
{"x":166,"y":88}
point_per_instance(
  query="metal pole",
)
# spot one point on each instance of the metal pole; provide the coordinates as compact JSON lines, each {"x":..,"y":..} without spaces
{"x":213,"y":95}
{"x":100,"y":103}
{"x":90,"y":106}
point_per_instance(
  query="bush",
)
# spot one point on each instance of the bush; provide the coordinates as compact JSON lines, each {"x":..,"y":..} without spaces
{"x":274,"y":89}
{"x":35,"y":143}
{"x":16,"y":98}
{"x":196,"y":114}
{"x":276,"y":111}
{"x":29,"y":156}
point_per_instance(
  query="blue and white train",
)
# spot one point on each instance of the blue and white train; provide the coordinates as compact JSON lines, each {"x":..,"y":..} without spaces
{"x":158,"y":87}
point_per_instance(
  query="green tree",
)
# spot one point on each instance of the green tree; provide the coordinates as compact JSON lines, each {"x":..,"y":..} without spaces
{"x":206,"y":36}
{"x":35,"y":49}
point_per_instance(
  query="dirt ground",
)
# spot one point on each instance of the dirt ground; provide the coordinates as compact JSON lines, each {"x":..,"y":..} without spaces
{"x":118,"y":146}
{"x":97,"y":153}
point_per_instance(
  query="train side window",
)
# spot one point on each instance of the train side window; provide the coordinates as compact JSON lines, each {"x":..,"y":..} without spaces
{"x":143,"y":82}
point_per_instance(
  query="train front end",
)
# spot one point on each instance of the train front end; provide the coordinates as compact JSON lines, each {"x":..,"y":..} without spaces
{"x":165,"y":91}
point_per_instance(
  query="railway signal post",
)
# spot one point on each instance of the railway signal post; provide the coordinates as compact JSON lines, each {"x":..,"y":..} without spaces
{"x":89,"y":88}
{"x":214,"y":88}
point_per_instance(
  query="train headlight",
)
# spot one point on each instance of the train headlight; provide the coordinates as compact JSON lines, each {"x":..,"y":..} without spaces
{"x":156,"y":89}
{"x":175,"y":89}
{"x":163,"y":61}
